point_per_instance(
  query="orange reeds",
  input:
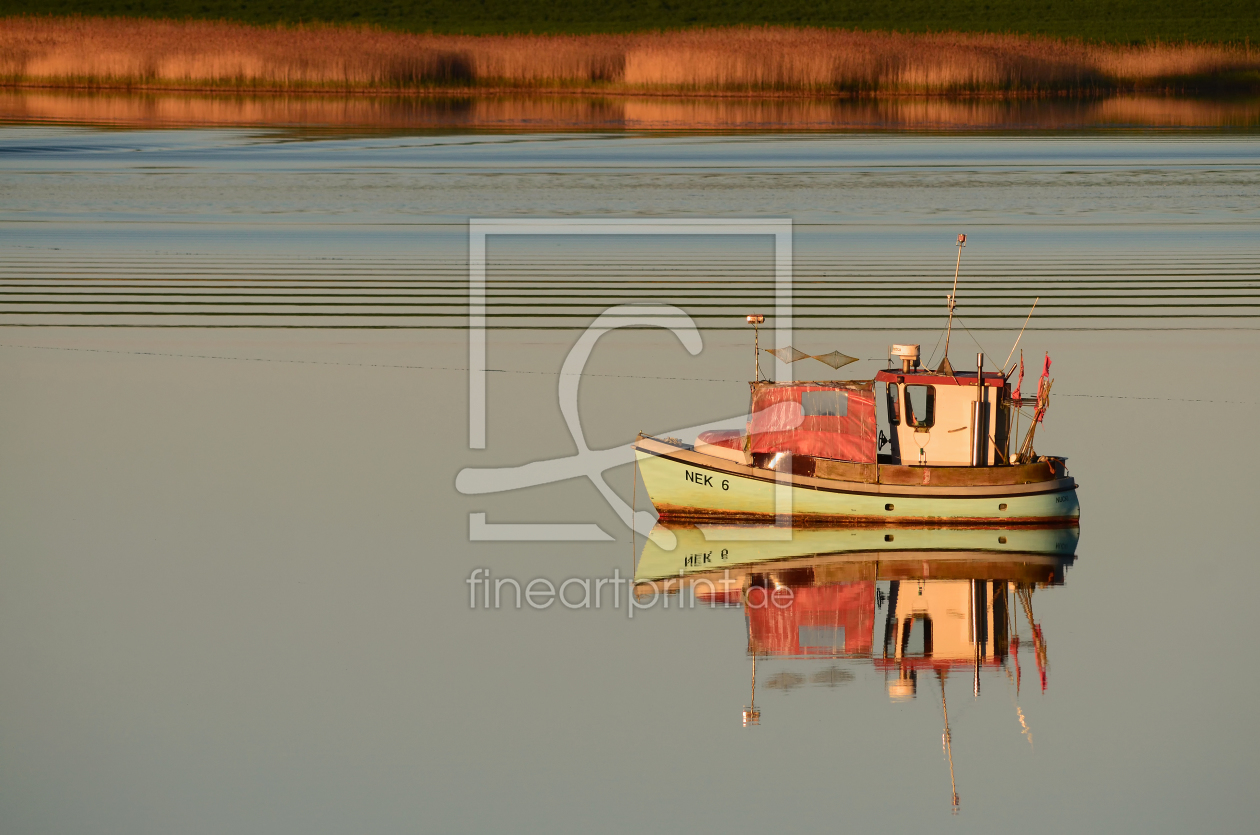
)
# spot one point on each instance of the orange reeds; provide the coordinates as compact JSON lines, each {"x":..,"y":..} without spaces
{"x":130,"y":53}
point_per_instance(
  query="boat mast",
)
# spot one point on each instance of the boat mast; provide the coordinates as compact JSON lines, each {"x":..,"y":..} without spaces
{"x":755,"y":320}
{"x":952,"y":301}
{"x":752,"y":716}
{"x":948,"y":740}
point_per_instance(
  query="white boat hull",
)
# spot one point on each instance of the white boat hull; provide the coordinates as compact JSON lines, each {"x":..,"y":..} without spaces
{"x":689,"y":485}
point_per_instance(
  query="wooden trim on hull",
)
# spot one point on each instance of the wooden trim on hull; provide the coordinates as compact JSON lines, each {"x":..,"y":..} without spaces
{"x":1039,"y":472}
{"x":923,"y":487}
{"x":875,"y":566}
{"x":673,"y":514}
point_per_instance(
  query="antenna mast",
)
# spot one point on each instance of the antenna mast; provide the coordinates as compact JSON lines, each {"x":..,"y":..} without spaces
{"x":752,"y":716}
{"x":952,"y":301}
{"x":755,"y":320}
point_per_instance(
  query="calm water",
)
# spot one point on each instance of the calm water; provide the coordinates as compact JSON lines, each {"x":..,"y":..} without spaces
{"x":235,"y":561}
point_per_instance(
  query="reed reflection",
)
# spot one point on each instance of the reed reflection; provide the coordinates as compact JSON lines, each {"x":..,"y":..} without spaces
{"x":919,"y":605}
{"x":531,"y":112}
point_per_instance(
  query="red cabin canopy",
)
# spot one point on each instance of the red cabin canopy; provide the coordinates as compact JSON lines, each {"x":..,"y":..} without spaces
{"x":831,"y":620}
{"x":824,"y":420}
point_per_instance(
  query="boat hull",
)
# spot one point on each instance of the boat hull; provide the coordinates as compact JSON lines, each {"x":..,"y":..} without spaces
{"x":686,"y":485}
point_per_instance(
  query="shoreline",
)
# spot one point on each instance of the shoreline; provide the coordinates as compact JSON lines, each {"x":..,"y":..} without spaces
{"x":134,"y":55}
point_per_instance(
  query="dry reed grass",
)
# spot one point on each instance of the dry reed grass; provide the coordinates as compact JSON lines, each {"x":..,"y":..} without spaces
{"x":130,"y":53}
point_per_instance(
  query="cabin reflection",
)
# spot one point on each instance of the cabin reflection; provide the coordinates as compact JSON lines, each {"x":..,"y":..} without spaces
{"x":917,"y":613}
{"x":903,"y":609}
{"x":933,"y":610}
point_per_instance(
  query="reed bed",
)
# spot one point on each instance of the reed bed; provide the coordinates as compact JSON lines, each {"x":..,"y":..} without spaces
{"x":197,"y":55}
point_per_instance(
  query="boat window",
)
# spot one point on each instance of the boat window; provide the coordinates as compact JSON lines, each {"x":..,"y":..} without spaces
{"x":920,"y":406}
{"x":916,"y":636}
{"x":894,"y":405}
{"x":821,"y":637}
{"x":831,"y":403}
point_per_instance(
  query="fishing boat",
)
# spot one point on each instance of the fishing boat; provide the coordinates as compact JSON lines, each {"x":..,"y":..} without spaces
{"x":814,"y":453}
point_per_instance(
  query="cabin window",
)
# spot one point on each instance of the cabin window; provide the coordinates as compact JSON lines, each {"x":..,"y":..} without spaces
{"x":920,"y":406}
{"x":820,"y":637}
{"x":825,"y":403}
{"x":916,"y":636}
{"x":894,"y":405}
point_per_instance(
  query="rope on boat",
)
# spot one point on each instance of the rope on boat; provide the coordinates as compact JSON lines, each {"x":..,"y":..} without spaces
{"x":634,"y":509}
{"x":464,"y":369}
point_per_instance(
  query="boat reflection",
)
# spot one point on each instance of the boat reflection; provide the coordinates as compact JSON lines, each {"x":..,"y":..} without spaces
{"x":912,"y":602}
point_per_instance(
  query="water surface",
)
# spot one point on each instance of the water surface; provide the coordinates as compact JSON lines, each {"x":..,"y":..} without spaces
{"x":235,"y":563}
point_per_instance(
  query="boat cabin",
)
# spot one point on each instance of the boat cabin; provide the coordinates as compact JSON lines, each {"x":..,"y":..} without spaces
{"x":932,"y":418}
{"x":937,"y":418}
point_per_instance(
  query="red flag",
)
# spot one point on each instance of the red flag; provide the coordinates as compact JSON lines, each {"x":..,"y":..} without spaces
{"x":1043,"y":400}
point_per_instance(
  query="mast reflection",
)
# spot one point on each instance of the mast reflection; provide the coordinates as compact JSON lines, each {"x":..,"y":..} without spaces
{"x":941,"y":601}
